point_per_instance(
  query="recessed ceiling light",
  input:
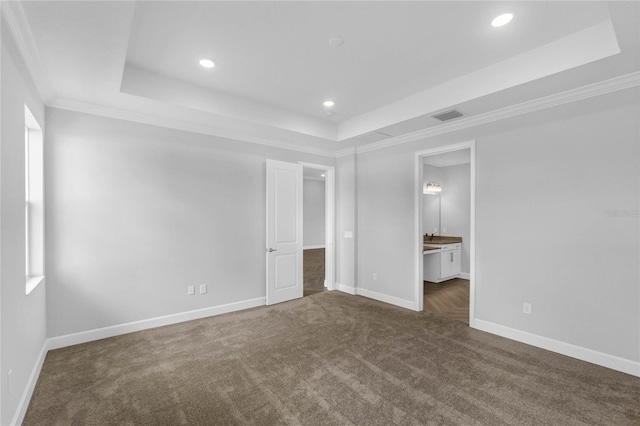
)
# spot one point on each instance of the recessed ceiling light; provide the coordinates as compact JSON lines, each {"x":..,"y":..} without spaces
{"x":501,"y":20}
{"x":322,"y":175}
{"x":207,"y":63}
{"x":328,"y":103}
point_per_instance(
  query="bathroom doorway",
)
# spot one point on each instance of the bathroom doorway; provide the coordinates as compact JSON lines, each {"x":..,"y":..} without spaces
{"x":445,"y":225}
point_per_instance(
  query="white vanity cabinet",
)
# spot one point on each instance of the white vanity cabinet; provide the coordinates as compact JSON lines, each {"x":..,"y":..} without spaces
{"x":442,"y":264}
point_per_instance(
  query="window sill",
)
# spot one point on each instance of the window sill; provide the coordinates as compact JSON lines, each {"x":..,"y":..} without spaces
{"x":32,"y":283}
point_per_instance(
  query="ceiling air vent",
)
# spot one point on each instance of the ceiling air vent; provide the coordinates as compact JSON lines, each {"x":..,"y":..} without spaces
{"x":447,"y":115}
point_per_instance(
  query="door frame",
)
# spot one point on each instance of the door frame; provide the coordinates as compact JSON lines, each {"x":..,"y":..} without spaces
{"x":419,"y":169}
{"x":329,"y":221}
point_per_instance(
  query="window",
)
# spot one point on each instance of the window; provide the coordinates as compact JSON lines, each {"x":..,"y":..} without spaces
{"x":33,"y":201}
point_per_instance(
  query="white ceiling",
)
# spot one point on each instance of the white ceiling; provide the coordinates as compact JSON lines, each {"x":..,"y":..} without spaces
{"x":400,"y":62}
{"x":278,"y":53}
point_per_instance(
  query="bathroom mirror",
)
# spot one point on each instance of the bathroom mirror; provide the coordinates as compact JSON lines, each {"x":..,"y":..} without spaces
{"x":431,"y":211}
{"x":433,"y":188}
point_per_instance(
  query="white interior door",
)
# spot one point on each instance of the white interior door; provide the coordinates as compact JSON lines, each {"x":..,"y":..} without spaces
{"x":284,"y":231}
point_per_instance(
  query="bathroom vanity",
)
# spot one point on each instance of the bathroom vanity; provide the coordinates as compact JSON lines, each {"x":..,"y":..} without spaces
{"x":441,"y":257}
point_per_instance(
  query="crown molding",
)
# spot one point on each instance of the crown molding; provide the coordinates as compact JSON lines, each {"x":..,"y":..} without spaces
{"x":561,"y":98}
{"x":16,"y":21}
{"x":346,"y":151}
{"x":596,"y":89}
{"x":172,"y":123}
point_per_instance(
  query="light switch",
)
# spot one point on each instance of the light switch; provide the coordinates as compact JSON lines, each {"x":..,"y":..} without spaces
{"x":348,"y":234}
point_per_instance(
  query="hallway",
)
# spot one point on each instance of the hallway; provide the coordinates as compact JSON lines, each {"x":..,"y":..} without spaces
{"x":313,"y":271}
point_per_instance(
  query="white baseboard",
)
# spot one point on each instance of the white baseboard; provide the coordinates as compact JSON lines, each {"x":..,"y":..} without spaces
{"x":403,"y":303}
{"x":312,"y":247}
{"x":465,"y":275}
{"x":589,"y":355}
{"x":408,"y":304}
{"x":116,"y":330}
{"x":346,"y":288}
{"x":23,"y":404}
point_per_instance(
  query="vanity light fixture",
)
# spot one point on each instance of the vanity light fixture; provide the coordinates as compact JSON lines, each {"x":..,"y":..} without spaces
{"x":432,"y":188}
{"x":502,"y":20}
{"x":328,"y":103}
{"x":207,"y":63}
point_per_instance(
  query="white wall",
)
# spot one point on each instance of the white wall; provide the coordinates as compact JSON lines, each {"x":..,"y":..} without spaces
{"x":136,"y":213}
{"x":346,"y":198}
{"x":386,"y":223}
{"x":313,"y":210}
{"x":22,"y":317}
{"x":544,"y":181}
{"x":544,"y":238}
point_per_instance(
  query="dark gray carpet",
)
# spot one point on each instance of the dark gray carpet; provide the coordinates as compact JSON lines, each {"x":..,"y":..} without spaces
{"x":329,"y":359}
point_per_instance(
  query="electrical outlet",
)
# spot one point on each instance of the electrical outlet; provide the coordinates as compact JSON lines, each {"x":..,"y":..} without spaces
{"x":526,"y":308}
{"x":375,"y":276}
{"x":348,"y":234}
{"x":203,"y":288}
{"x":191,"y":290}
{"x":444,"y":231}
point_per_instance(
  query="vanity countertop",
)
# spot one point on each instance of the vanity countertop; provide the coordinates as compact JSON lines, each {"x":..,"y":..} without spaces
{"x":442,"y":239}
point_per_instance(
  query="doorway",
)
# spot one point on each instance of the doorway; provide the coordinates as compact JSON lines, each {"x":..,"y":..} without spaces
{"x":445,"y":225}
{"x":318,"y":228}
{"x":314,"y":235}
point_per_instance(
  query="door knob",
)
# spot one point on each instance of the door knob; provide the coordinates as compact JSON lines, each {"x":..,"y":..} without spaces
{"x":272,"y":249}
